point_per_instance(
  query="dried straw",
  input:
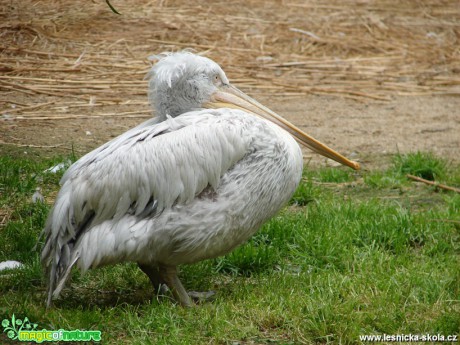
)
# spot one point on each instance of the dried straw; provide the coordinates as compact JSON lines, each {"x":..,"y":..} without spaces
{"x":63,"y":56}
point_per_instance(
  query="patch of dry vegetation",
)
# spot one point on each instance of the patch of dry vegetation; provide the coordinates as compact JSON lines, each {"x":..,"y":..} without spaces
{"x":63,"y":59}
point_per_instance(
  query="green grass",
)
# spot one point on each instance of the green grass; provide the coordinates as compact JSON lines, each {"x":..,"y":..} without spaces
{"x":352,"y":254}
{"x":424,"y":165}
{"x":421,"y":164}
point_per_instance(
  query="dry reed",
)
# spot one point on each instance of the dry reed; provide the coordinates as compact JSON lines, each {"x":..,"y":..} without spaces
{"x":56,"y":56}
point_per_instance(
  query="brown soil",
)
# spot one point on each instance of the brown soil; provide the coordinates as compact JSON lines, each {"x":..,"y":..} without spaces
{"x":72,"y":75}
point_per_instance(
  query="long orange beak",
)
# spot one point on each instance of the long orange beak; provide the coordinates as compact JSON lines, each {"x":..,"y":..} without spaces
{"x":229,"y":96}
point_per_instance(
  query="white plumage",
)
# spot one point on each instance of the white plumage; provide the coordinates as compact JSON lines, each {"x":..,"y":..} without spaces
{"x":188,"y":185}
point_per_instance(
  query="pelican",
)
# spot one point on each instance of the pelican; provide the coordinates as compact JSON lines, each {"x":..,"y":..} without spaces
{"x":190,"y":184}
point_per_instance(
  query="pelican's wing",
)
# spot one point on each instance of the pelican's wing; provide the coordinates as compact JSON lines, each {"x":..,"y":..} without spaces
{"x":141,"y":173}
{"x":102,"y":151}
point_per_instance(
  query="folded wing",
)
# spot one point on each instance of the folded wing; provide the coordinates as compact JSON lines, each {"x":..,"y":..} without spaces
{"x":147,"y":169}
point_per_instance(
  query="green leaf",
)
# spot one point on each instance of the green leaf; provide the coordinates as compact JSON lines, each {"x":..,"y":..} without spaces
{"x":11,"y":334}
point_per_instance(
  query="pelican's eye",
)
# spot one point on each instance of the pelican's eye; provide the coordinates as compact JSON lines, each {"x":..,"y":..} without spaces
{"x":216,"y":80}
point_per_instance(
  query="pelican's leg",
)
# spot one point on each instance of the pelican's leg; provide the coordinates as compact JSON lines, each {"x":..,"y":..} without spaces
{"x":169,"y":275}
{"x":154,"y":276}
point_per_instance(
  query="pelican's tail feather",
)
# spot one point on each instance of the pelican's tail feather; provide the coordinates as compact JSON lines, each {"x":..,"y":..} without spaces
{"x":59,"y":255}
{"x":58,"y":261}
{"x":58,"y":265}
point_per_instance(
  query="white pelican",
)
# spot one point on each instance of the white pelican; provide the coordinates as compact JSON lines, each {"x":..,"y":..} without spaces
{"x":191,"y":184}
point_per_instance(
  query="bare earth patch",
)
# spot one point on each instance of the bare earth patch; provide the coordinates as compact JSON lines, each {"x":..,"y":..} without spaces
{"x":362,"y":131}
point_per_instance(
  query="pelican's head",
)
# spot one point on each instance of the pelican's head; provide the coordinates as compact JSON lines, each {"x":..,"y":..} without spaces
{"x":182,"y":82}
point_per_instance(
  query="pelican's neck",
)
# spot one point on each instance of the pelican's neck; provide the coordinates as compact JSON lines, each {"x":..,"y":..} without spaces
{"x":162,"y":114}
{"x":171,"y":106}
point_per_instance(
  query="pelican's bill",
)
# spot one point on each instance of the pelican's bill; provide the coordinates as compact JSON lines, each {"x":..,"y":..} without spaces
{"x":229,"y":96}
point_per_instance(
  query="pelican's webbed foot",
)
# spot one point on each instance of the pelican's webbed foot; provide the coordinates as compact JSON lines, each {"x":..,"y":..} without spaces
{"x":202,"y":296}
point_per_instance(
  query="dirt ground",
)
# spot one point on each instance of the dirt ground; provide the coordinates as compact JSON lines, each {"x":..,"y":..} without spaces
{"x":71,"y":76}
{"x":364,"y":132}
